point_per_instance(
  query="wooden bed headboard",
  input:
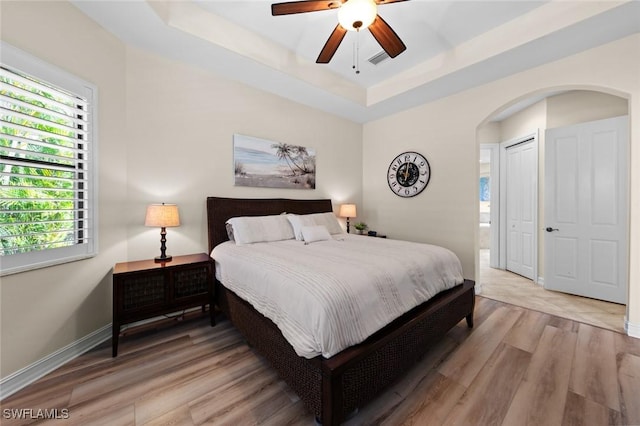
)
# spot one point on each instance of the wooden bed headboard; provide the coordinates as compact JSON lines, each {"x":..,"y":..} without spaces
{"x":219,"y":210}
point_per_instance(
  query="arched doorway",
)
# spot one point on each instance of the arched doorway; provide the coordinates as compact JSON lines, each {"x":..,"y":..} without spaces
{"x":530,"y":114}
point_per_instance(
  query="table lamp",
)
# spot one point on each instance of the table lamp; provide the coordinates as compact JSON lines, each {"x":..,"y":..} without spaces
{"x":163,"y":216}
{"x":348,"y":211}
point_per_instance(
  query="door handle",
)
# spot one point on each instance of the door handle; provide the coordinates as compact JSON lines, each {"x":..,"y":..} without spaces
{"x":550,"y":229}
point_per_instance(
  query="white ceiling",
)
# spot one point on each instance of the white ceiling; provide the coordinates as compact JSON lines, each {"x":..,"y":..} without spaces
{"x":451,"y":45}
{"x":428,"y":28}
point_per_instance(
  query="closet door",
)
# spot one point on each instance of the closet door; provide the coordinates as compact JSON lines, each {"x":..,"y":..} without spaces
{"x":521,"y":208}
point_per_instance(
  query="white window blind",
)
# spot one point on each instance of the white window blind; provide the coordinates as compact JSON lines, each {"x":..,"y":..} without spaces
{"x":46,"y":188}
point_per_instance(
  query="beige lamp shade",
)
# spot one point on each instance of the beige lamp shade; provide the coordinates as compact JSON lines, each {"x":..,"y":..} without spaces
{"x":162,"y":215}
{"x":347,"y":210}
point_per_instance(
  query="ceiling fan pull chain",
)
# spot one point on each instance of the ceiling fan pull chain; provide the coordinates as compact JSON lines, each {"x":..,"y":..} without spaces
{"x":353,"y":58}
{"x":357,"y":53}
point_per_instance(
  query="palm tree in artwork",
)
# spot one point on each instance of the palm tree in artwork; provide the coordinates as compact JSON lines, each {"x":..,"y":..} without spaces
{"x":283,"y":152}
{"x":301,"y":153}
{"x":291,"y":153}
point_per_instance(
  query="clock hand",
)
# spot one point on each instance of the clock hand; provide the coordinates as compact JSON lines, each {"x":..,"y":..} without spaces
{"x":406,"y":171}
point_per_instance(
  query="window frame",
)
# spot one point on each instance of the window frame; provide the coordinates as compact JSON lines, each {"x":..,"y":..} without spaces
{"x":20,"y":61}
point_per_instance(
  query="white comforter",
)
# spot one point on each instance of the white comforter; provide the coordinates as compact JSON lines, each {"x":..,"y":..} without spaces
{"x":329,"y":295}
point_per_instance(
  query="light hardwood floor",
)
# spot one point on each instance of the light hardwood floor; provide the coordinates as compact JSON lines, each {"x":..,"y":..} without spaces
{"x":511,"y":288}
{"x":516,"y":367}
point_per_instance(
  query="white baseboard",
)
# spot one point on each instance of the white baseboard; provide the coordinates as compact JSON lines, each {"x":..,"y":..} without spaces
{"x":632,"y":330}
{"x":29,"y":374}
{"x":25,"y":376}
{"x":540,"y":281}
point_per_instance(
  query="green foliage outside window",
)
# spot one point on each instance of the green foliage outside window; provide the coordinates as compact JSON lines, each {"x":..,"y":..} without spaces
{"x":38,"y":175}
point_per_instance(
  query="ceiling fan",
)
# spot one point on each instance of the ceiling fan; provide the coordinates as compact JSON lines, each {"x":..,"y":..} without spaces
{"x":353,"y":15}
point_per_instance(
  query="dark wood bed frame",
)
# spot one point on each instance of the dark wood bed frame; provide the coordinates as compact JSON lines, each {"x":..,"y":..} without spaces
{"x":332,"y":388}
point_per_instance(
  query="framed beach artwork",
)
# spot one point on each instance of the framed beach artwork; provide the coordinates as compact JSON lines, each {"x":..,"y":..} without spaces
{"x":264,"y":163}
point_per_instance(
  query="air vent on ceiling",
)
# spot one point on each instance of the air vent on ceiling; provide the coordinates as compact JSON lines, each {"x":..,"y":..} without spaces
{"x":378,"y":57}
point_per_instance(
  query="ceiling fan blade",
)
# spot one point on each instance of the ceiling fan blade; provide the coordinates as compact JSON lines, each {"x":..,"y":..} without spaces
{"x":381,"y":2}
{"x":292,"y":7}
{"x":386,"y":37}
{"x":331,"y":45}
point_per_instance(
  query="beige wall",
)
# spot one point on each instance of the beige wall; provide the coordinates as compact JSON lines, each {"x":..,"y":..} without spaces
{"x":446,"y":132}
{"x":446,"y":212}
{"x":581,"y":106}
{"x":165,"y":134}
{"x":44,"y":310}
{"x":181,"y":122}
{"x":489,"y":133}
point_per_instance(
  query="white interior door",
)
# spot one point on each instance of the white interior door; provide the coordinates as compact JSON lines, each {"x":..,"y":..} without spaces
{"x":586,"y":209}
{"x":521,"y":168}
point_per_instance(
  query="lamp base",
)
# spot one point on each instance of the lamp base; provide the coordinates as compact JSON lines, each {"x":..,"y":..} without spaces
{"x":163,"y":259}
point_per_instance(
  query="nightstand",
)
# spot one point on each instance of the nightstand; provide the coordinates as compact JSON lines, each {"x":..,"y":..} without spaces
{"x":146,"y":289}
{"x":375,"y":234}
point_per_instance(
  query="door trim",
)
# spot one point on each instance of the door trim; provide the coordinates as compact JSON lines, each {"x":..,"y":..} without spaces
{"x":533,"y":137}
{"x":494,"y":241}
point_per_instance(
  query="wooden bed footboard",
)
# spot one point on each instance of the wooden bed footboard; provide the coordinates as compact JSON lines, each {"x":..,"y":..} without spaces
{"x":333,"y":388}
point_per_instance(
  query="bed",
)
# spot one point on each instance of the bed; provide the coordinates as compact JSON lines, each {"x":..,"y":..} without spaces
{"x":334,"y":387}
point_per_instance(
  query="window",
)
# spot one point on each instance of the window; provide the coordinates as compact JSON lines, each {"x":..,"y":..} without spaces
{"x":47,"y":168}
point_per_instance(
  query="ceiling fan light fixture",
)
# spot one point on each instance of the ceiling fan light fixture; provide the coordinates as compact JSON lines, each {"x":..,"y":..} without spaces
{"x":356,"y":15}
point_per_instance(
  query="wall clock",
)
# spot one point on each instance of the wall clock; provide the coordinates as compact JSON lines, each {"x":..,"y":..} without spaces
{"x":408,"y":174}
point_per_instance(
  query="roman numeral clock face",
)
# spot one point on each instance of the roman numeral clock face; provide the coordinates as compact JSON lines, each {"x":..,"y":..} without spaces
{"x":408,"y":174}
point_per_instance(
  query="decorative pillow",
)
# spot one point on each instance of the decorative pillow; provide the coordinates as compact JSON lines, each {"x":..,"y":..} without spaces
{"x":257,"y":229}
{"x":297,"y":221}
{"x":311,"y":234}
{"x":328,"y":220}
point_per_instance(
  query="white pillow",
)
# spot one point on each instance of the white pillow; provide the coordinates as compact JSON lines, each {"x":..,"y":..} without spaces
{"x":257,"y":229}
{"x":311,"y":234}
{"x":297,"y":222}
{"x":328,"y":220}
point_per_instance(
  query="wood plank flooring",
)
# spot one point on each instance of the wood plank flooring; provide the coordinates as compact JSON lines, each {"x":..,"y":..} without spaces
{"x":511,"y":288}
{"x":516,"y":367}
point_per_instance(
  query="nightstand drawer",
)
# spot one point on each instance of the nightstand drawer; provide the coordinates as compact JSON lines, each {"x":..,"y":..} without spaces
{"x":141,"y":291}
{"x":191,"y":282}
{"x":146,"y":289}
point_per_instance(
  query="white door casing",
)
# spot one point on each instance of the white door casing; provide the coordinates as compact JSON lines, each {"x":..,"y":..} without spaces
{"x":494,"y":148}
{"x":586,"y":209}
